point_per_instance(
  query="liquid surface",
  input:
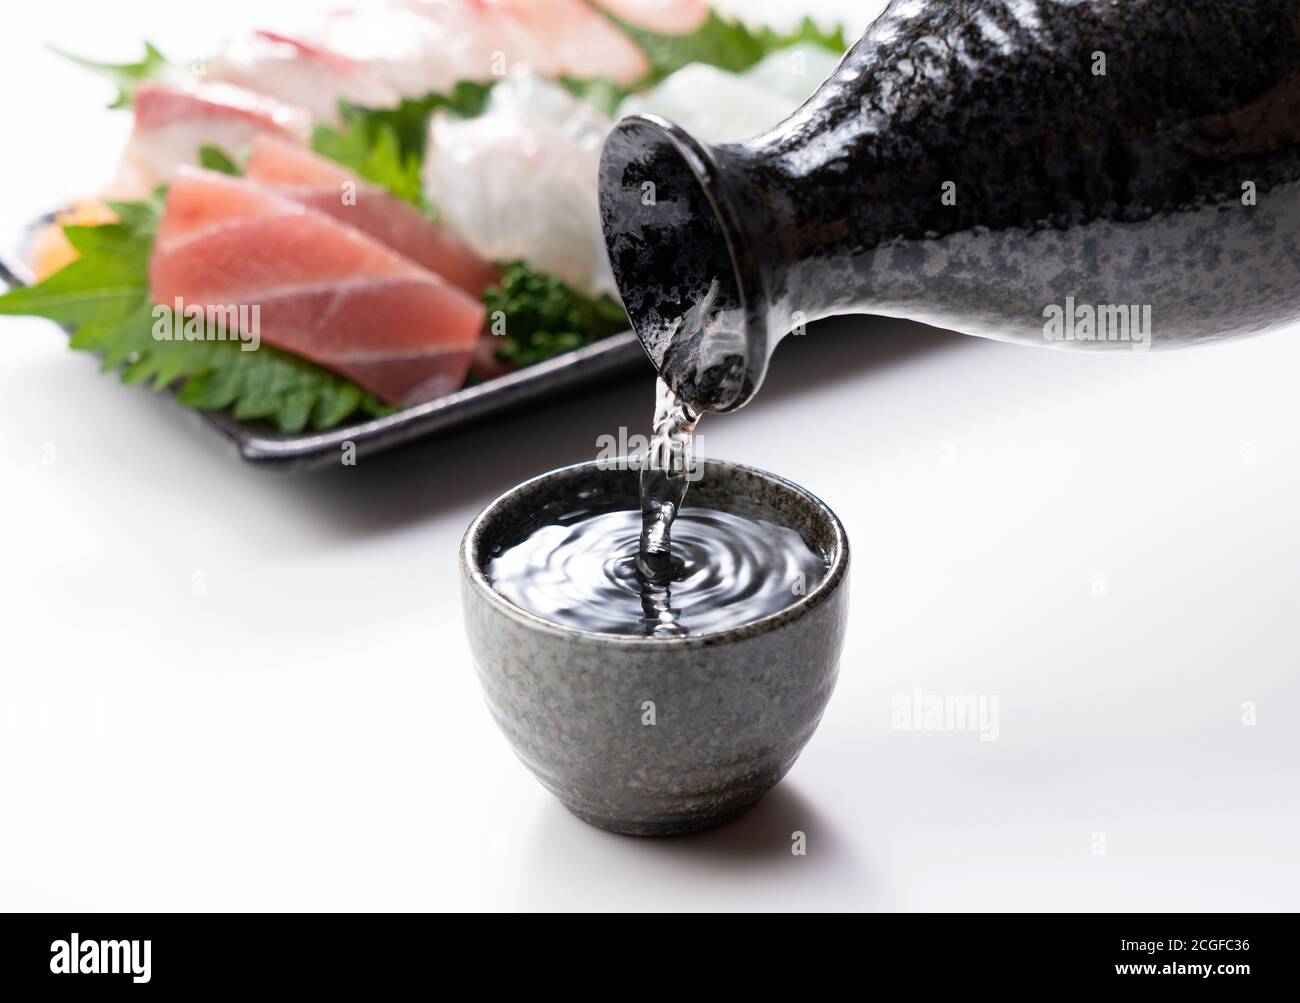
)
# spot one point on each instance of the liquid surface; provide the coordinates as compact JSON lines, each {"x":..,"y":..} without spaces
{"x":725,"y":571}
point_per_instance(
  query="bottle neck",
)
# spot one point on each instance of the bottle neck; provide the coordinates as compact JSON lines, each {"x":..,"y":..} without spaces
{"x":686,"y":268}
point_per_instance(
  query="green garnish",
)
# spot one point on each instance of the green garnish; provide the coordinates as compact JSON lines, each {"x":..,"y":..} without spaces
{"x":214,"y":158}
{"x":537,"y":316}
{"x":410,"y":119}
{"x":374,"y":153}
{"x":728,"y":45}
{"x":386,"y":145}
{"x":128,"y":76}
{"x":104,"y":296}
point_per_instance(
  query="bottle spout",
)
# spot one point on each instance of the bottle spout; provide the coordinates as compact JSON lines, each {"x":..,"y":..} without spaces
{"x":689,"y":277}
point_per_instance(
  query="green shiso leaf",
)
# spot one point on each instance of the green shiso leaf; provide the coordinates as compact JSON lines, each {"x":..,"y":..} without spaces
{"x":216,"y":159}
{"x":728,"y":45}
{"x":386,"y":145}
{"x":541,"y":317}
{"x":127,"y":76}
{"x":104,"y":297}
{"x":410,"y":119}
{"x":373,"y":152}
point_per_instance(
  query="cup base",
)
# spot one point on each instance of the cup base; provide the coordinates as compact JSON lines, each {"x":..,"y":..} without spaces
{"x":661,"y":828}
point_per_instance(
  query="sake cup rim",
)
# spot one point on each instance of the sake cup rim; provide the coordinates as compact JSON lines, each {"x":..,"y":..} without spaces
{"x":836,"y":573}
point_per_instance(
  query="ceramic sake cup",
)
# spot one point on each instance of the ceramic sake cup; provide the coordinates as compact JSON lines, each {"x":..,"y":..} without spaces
{"x":657,"y":736}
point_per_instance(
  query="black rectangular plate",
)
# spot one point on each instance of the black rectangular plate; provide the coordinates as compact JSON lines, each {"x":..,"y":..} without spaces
{"x":261,"y":444}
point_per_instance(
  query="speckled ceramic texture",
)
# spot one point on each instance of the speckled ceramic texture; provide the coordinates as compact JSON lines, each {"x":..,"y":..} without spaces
{"x":1122,"y":188}
{"x":732,"y":709}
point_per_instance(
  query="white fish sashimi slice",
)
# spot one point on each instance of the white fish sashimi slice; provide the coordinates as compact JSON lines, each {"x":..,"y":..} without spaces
{"x":520,"y":181}
{"x":422,"y":46}
{"x":555,"y":38}
{"x":172,"y":123}
{"x":518,"y":192}
{"x":299,"y":73}
{"x":713,"y":105}
{"x":529,"y":98}
{"x":412,"y":54}
{"x":794,"y":72}
{"x":721,"y":107}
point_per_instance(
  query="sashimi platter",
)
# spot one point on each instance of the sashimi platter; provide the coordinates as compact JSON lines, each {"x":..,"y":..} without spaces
{"x":384,"y":222}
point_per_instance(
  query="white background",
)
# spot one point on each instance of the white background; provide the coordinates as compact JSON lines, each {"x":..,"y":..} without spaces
{"x":309,"y":733}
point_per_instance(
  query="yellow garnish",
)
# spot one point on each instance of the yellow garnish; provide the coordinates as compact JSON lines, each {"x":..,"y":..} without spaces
{"x":50,"y":248}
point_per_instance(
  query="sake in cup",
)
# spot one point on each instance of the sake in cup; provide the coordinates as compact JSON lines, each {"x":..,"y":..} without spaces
{"x":648,"y":735}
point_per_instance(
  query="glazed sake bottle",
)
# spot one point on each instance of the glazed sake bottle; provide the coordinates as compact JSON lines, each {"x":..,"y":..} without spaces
{"x":1087,"y":174}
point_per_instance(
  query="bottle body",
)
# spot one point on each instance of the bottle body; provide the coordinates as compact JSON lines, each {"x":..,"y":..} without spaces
{"x":1092,"y":175}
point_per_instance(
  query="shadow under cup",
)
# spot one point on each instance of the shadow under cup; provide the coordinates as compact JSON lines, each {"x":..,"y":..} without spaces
{"x":657,"y":736}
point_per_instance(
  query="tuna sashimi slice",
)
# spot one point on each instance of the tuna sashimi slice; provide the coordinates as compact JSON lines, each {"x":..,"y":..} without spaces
{"x":323,"y":290}
{"x":171,"y":123}
{"x":274,"y":162}
{"x":336,"y":324}
{"x":321,"y":184}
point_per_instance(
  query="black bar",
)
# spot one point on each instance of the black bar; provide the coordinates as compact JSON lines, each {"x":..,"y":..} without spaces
{"x":375,"y":953}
